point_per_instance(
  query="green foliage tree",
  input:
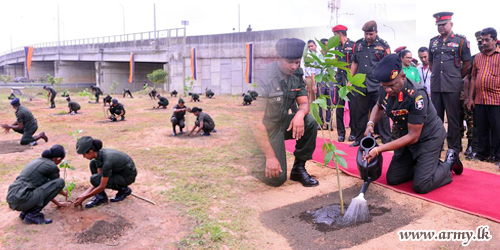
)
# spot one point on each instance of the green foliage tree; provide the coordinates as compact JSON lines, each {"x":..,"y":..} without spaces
{"x":5,"y":79}
{"x":158,"y":76}
{"x":54,"y":81}
{"x":328,"y":64}
{"x":86,"y":93}
{"x":113,"y":86}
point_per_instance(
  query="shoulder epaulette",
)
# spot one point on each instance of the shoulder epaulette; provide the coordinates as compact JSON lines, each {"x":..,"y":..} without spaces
{"x":360,"y":40}
{"x":461,"y":36}
{"x":434,"y":38}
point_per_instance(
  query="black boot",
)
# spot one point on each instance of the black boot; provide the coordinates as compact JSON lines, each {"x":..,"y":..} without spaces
{"x":468,"y":151}
{"x":34,"y":216}
{"x":122,"y":194}
{"x":300,"y":174}
{"x":22,"y":215}
{"x":452,"y":158}
{"x":98,"y":199}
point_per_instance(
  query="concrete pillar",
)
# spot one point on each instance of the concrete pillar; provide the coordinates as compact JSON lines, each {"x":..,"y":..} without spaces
{"x":75,"y":72}
{"x":98,"y":73}
{"x":41,"y":69}
{"x":15,"y":70}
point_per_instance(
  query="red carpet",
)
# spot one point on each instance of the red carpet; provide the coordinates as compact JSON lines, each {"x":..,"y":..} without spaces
{"x":473,"y":192}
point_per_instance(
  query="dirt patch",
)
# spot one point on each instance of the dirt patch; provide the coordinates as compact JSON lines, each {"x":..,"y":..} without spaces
{"x":103,"y":231}
{"x":7,"y":147}
{"x":295,"y":221}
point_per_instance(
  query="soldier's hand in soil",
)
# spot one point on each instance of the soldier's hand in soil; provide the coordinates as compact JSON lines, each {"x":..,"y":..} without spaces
{"x":273,"y":167}
{"x":79,"y":200}
{"x":297,"y":127}
{"x":64,"y":204}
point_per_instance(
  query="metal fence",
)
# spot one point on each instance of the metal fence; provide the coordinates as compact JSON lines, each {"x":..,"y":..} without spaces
{"x":137,"y":39}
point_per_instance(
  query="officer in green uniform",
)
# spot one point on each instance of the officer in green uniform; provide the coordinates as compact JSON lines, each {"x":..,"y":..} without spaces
{"x":25,"y":124}
{"x":178,"y":116}
{"x":97,"y":91}
{"x":283,"y":87}
{"x":109,"y":168}
{"x":73,"y":106}
{"x":51,"y":94}
{"x":449,"y":59}
{"x":162,"y":101}
{"x":420,"y":131}
{"x":346,"y":47}
{"x":209,"y":93}
{"x":367,"y":53}
{"x":37,"y":184}
{"x":203,"y":122}
{"x":116,"y":109}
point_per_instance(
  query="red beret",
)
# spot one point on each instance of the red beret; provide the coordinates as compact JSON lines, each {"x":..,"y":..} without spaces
{"x":339,"y":27}
{"x":398,"y":49}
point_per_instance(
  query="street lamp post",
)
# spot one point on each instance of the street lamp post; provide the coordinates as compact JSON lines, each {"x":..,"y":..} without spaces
{"x":123,"y":11}
{"x":392,"y":31}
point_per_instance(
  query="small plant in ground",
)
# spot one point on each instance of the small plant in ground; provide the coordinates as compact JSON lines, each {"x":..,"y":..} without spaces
{"x":87,"y":93}
{"x":328,"y":65}
{"x":62,"y":112}
{"x":113,"y":86}
{"x":75,"y":134}
{"x":188,"y":85}
{"x":69,"y":186}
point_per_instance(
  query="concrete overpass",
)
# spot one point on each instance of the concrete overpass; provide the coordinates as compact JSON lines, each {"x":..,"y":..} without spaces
{"x":221,"y":58}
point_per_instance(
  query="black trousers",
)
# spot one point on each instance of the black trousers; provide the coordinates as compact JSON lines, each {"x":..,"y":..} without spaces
{"x":426,"y":170}
{"x":487,"y":122}
{"x":364,"y":105}
{"x":52,"y":103}
{"x":177,"y":122}
{"x":116,"y":181}
{"x":449,"y":102}
{"x":28,"y":133}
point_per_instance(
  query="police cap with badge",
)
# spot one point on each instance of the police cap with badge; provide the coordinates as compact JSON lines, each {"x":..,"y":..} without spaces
{"x":442,"y":17}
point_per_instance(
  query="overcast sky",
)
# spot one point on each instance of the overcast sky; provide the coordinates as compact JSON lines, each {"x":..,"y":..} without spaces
{"x":29,"y":22}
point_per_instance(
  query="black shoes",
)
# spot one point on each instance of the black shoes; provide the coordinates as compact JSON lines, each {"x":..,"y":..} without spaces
{"x":122,"y":194}
{"x":454,"y":161}
{"x":22,"y":215}
{"x":98,"y":199}
{"x":300,"y":174}
{"x":205,"y":134}
{"x":468,"y":151}
{"x":341,"y":138}
{"x":354,"y":144}
{"x":352,"y":138}
{"x":123,"y":117}
{"x":34,"y":216}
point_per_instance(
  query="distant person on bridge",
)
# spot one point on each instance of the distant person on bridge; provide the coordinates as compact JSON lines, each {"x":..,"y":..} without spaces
{"x":26,"y":124}
{"x":51,"y":95}
{"x":249,"y":28}
{"x":97,"y":91}
{"x":127,"y":91}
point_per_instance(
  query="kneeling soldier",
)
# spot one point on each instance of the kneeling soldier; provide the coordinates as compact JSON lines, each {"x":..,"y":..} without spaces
{"x":73,"y":106}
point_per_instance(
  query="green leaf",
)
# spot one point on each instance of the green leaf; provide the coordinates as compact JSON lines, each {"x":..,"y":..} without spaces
{"x":324,"y":96}
{"x":316,"y":58}
{"x":337,"y":53}
{"x":318,"y":78}
{"x":343,"y":92}
{"x":340,"y":106}
{"x":331,"y":62}
{"x":340,"y":160}
{"x":333,"y":41}
{"x":325,"y":146}
{"x":315,"y":113}
{"x":361,"y":93}
{"x":321,"y":45}
{"x":328,"y":157}
{"x":328,"y":55}
{"x":308,"y":60}
{"x":321,"y":102}
{"x":357,"y":80}
{"x":339,"y":152}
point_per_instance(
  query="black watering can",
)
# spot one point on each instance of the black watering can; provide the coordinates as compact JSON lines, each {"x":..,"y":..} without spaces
{"x":368,"y":171}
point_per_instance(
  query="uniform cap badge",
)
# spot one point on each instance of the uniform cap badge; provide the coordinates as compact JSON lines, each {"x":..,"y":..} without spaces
{"x":394,"y":74}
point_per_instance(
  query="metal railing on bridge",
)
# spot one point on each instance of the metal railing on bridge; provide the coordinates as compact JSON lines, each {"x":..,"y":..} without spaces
{"x":147,"y":37}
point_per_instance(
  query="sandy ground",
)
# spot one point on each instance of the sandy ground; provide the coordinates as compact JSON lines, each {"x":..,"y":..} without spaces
{"x":164,"y":225}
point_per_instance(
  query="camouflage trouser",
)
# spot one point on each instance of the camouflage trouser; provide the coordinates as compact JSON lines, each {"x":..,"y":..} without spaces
{"x":468,"y":116}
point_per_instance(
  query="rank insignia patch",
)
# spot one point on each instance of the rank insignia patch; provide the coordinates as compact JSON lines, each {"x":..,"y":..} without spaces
{"x":419,"y":105}
{"x":394,"y":74}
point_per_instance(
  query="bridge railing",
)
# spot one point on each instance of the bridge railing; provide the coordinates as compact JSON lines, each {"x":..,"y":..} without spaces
{"x":137,"y":39}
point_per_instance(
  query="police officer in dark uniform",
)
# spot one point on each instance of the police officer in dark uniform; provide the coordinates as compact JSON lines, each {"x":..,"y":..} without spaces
{"x":247,"y":99}
{"x":178,"y":116}
{"x":173,"y":93}
{"x":368,"y":51}
{"x":73,"y":106}
{"x":194,"y":97}
{"x":283,"y":87}
{"x":162,"y":101}
{"x":25,"y":124}
{"x":107,"y":100}
{"x":152,"y":94}
{"x":253,"y":94}
{"x":116,"y":109}
{"x":109,"y":168}
{"x":51,"y":94}
{"x":449,"y":59}
{"x":346,"y":47}
{"x":420,"y":131}
{"x":37,"y":184}
{"x":203,"y":122}
{"x":97,"y":91}
{"x":127,"y":91}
